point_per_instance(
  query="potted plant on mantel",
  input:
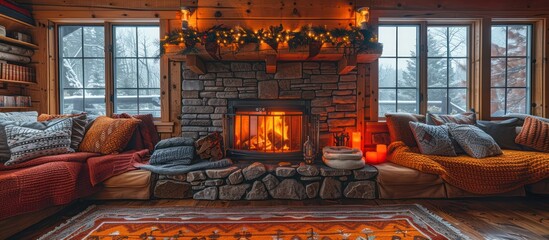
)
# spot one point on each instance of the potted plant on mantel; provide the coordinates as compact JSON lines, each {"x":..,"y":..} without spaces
{"x":220,"y":40}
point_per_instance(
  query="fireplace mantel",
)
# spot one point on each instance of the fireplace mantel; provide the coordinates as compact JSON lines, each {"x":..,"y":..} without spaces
{"x":346,"y":62}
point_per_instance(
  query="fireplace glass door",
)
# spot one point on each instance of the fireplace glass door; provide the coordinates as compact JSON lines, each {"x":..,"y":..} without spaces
{"x":268,"y":130}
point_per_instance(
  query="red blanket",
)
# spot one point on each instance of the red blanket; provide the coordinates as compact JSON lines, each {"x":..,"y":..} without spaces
{"x":58,"y":180}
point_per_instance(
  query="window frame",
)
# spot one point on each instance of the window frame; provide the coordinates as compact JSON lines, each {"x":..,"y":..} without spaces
{"x":422,"y":55}
{"x":60,"y":87}
{"x":109,"y":61}
{"x":112,"y":49}
{"x":530,"y":65}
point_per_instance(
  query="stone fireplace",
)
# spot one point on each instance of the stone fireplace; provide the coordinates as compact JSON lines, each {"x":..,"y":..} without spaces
{"x":242,"y":96}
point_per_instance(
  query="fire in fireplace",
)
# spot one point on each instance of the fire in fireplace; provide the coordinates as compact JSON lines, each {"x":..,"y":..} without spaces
{"x":268,"y":130}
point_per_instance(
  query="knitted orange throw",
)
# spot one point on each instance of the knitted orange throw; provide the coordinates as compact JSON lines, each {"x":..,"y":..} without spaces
{"x":490,"y":175}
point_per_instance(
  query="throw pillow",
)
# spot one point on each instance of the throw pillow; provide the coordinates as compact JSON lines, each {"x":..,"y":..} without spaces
{"x":79,"y":122}
{"x":399,"y":130}
{"x":475,"y":142}
{"x":108,"y":135}
{"x":19,"y":116}
{"x":503,"y":132}
{"x":5,"y":153}
{"x":27,"y":143}
{"x":433,"y":140}
{"x":534,"y":134}
{"x":461,"y":118}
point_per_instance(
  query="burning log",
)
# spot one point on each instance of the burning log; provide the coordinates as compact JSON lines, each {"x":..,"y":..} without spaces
{"x":210,"y":147}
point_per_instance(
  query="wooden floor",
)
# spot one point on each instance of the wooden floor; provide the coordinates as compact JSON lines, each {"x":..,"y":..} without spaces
{"x":505,"y":218}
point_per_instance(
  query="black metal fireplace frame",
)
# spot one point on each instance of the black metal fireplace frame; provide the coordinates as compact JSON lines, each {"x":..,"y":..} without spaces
{"x":309,"y":122}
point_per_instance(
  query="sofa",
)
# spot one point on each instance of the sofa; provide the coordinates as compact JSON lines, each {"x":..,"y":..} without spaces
{"x":409,"y":173}
{"x":36,"y":188}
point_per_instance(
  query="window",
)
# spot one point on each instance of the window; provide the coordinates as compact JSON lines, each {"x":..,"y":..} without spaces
{"x":445,"y":72}
{"x":510,"y":69}
{"x":447,"y":69}
{"x":136,"y":70}
{"x":82,"y":69}
{"x":135,"y":75}
{"x":398,"y":69}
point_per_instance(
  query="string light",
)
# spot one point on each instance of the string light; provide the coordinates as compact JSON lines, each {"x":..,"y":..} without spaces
{"x":356,"y":37}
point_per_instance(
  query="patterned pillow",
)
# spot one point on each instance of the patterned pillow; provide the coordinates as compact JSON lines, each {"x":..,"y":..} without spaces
{"x":461,"y":118}
{"x":474,"y":141}
{"x":5,"y":153}
{"x":108,"y":135}
{"x":433,"y":140}
{"x":399,"y":130}
{"x":28,"y":143}
{"x":79,"y":122}
{"x":534,"y":134}
{"x":19,"y":116}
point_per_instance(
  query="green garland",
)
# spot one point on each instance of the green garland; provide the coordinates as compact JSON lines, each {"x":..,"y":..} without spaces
{"x":360,"y":40}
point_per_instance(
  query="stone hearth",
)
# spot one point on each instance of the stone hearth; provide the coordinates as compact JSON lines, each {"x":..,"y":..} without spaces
{"x":258,"y":181}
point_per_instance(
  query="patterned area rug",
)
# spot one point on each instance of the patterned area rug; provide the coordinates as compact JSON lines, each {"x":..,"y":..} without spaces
{"x":251,"y":223}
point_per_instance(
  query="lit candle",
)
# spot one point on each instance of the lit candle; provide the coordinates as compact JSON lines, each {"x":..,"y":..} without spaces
{"x":357,"y":140}
{"x":371,"y":157}
{"x":381,"y":150}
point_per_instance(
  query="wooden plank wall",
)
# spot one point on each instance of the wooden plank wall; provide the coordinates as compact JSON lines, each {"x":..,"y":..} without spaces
{"x":256,"y":14}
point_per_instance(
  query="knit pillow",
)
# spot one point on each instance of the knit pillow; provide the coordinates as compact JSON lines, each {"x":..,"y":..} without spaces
{"x":433,"y":140}
{"x":79,"y":122}
{"x":534,"y":134}
{"x":461,"y":118}
{"x":108,"y":135}
{"x":28,"y":143}
{"x":474,"y":141}
{"x":399,"y":130}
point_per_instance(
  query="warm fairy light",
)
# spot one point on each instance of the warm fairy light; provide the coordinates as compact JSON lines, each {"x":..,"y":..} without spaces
{"x":185,"y":18}
{"x":363,"y":17}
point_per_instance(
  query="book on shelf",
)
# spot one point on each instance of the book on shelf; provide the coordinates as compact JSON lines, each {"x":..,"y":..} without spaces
{"x":17,"y":73}
{"x":15,"y":101}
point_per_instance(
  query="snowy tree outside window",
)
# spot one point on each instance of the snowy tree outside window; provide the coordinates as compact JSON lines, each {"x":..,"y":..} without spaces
{"x":82,"y":69}
{"x":447,"y":68}
{"x":135,"y":64}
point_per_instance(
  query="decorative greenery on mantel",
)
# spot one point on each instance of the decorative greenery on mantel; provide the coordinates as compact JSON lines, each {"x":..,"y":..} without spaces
{"x":353,"y":39}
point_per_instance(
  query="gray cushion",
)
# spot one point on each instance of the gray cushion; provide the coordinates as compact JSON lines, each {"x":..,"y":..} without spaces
{"x":503,"y":132}
{"x":174,"y":142}
{"x":182,"y":154}
{"x":433,"y":140}
{"x":474,"y":141}
{"x":19,"y":116}
{"x":78,"y":130}
{"x":27,"y":143}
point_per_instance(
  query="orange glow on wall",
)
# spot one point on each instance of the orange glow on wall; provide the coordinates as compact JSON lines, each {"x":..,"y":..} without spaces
{"x":356,"y":140}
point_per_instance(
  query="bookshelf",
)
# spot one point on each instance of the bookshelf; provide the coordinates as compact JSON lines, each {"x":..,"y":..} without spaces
{"x":16,"y":73}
